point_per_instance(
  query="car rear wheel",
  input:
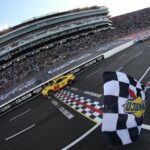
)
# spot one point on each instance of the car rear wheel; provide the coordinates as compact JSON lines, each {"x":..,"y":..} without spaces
{"x":70,"y":82}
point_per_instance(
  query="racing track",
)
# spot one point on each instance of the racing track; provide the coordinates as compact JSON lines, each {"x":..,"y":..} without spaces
{"x":40,"y":125}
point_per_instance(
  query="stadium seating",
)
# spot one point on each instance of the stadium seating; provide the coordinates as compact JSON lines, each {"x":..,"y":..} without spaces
{"x":26,"y":65}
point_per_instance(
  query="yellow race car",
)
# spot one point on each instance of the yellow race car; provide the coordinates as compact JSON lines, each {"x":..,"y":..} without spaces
{"x":58,"y":84}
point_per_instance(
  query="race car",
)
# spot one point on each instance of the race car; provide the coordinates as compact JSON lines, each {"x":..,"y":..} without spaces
{"x":143,"y":38}
{"x":58,"y":84}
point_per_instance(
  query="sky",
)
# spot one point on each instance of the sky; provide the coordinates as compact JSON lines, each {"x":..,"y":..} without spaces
{"x":13,"y":12}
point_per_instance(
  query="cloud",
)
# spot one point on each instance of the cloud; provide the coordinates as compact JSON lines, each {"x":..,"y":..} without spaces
{"x":4,"y":27}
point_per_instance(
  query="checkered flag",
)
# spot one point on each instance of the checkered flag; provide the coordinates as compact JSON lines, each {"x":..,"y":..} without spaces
{"x":124,"y":107}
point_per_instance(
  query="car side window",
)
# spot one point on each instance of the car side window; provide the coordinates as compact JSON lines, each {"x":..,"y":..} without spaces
{"x":58,"y":80}
{"x":64,"y":78}
{"x":61,"y":79}
{"x":51,"y":83}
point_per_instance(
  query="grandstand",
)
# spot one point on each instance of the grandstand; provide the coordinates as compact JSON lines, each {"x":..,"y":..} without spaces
{"x":33,"y":46}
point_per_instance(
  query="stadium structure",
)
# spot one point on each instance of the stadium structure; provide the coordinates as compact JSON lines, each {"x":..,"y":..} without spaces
{"x":85,"y":42}
{"x":40,"y":34}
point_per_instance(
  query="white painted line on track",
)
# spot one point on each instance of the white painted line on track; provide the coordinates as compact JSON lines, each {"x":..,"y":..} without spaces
{"x":63,"y":110}
{"x":81,"y":137}
{"x":86,"y":69}
{"x":121,"y":56}
{"x":20,"y":104}
{"x":120,"y":68}
{"x":138,"y":54}
{"x":19,"y":115}
{"x":144,"y":74}
{"x":93,"y":73}
{"x":145,"y":126}
{"x":19,"y":132}
{"x":92,"y":94}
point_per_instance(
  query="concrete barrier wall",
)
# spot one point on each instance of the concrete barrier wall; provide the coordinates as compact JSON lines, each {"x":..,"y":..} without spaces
{"x":117,"y":49}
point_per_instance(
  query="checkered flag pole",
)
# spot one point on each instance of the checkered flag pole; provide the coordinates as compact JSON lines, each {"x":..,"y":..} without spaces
{"x":124,"y":107}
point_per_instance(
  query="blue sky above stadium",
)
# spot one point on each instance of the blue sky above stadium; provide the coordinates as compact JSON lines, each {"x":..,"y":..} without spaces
{"x":13,"y":12}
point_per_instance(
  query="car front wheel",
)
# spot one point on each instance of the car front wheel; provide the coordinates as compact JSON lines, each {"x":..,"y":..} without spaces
{"x":50,"y":93}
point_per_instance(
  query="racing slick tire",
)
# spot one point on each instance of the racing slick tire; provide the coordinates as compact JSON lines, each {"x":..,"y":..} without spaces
{"x":50,"y":93}
{"x":70,"y":82}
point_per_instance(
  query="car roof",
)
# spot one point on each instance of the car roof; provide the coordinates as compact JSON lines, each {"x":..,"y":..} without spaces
{"x":59,"y":78}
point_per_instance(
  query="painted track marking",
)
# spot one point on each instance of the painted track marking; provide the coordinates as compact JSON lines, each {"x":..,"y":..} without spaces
{"x":81,"y":137}
{"x":94,"y":72}
{"x":20,"y":132}
{"x":121,"y":56}
{"x":144,"y":74}
{"x":120,"y":68}
{"x":19,"y":115}
{"x":83,"y":104}
{"x":138,"y":54}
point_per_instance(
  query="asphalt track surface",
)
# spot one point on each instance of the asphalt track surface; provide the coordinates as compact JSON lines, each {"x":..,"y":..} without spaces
{"x":41,"y":125}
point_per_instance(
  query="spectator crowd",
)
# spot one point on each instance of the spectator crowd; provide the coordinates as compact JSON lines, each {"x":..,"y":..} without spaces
{"x":48,"y":55}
